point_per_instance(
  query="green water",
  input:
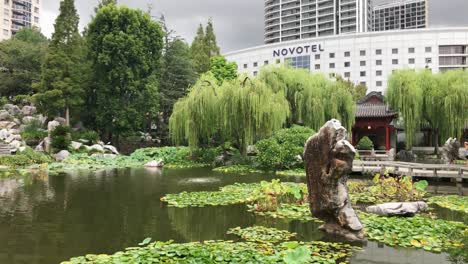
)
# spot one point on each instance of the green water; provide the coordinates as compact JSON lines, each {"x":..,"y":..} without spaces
{"x":51,"y":219}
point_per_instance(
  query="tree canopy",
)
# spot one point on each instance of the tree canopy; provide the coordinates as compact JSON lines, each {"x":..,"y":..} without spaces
{"x":61,"y":87}
{"x":125,"y":47}
{"x":204,"y":47}
{"x":21,"y":58}
{"x":440,"y":100}
{"x":222,"y":69}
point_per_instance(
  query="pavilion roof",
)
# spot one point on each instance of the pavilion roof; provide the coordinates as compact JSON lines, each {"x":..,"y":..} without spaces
{"x":373,"y":106}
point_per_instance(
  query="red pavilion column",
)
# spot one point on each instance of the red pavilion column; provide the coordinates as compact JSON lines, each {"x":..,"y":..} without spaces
{"x":387,"y":137}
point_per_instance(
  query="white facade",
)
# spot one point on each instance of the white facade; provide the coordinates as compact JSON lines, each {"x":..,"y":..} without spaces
{"x":17,"y":14}
{"x":287,"y":20}
{"x":367,"y":58}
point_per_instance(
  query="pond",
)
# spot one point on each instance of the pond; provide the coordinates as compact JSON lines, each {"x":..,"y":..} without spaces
{"x":51,"y":219}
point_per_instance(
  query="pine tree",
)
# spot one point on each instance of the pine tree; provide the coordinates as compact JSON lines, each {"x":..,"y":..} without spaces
{"x":63,"y":72}
{"x":103,"y":3}
{"x":198,"y":50}
{"x":211,"y":46}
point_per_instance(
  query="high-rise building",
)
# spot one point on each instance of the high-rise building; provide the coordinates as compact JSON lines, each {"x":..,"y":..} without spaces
{"x":298,"y":19}
{"x":18,"y":14}
{"x":399,"y":14}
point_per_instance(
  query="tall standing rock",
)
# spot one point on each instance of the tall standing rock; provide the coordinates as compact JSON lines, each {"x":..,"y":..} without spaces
{"x":328,"y":158}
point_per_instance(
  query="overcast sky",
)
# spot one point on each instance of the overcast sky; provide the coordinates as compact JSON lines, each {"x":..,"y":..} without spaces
{"x":238,"y":23}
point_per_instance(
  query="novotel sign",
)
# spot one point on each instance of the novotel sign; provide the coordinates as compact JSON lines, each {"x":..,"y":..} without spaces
{"x":306,"y":49}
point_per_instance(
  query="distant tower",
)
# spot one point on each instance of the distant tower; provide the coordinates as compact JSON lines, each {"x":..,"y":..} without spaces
{"x":399,"y":14}
{"x":290,"y":20}
{"x":18,"y":14}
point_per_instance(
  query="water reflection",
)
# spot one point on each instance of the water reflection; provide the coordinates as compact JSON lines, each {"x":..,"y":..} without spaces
{"x":50,"y":219}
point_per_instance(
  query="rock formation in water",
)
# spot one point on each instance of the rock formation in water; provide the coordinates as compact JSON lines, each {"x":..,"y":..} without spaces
{"x":450,"y":150}
{"x":397,"y":209}
{"x":328,"y":158}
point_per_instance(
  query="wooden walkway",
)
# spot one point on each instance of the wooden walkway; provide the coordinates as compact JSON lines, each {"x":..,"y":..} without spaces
{"x":436,"y":171}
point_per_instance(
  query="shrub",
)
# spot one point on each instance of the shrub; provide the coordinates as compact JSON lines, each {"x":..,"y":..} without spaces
{"x":89,"y":135}
{"x":61,"y":137}
{"x":33,"y":131}
{"x":170,"y":155}
{"x":281,"y":150}
{"x":25,"y":158}
{"x":365,"y":144}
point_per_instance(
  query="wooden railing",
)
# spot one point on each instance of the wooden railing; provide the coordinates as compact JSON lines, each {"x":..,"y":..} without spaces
{"x":457,"y":172}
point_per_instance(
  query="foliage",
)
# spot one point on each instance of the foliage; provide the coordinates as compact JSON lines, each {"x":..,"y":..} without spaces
{"x":238,"y":169}
{"x":313,"y":98}
{"x":282,"y":150}
{"x":365,"y":144}
{"x":23,"y":159}
{"x":296,"y":173}
{"x":170,"y":155}
{"x":419,"y":231}
{"x":125,"y":47}
{"x":300,"y":212}
{"x":358,"y":91}
{"x":261,"y":234}
{"x":222,"y":69}
{"x":64,"y":72}
{"x":225,"y":252}
{"x":439,"y":99}
{"x":90,"y":136}
{"x":177,"y":75}
{"x":21,"y":58}
{"x":33,"y":131}
{"x":387,"y":189}
{"x":61,"y":138}
{"x":198,"y":51}
{"x":238,"y":111}
{"x":269,"y":195}
{"x":452,"y":202}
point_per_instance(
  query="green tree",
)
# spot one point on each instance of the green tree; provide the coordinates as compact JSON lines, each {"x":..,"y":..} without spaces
{"x":103,"y":3}
{"x":222,"y":69}
{"x":406,"y":96}
{"x":125,"y":49}
{"x":200,"y":57}
{"x":20,"y":62}
{"x":61,"y":88}
{"x":211,"y":45}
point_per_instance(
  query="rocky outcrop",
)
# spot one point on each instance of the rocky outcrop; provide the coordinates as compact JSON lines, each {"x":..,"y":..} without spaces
{"x":328,"y":158}
{"x":62,"y":155}
{"x":406,"y":156}
{"x":155,"y":164}
{"x":450,"y":150}
{"x":397,"y":209}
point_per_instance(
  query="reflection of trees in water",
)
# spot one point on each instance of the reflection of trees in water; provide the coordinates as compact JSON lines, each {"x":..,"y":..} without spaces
{"x":208,"y":223}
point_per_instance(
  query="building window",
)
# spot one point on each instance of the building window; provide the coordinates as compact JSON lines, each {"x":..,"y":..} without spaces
{"x":245,"y":66}
{"x":278,"y":61}
{"x":301,"y":62}
{"x":255,"y":64}
{"x":362,"y":53}
{"x":332,"y":55}
{"x":6,"y":12}
{"x":428,"y":49}
{"x":265,"y":62}
{"x":394,"y":51}
{"x":363,"y":74}
{"x":395,"y":61}
{"x":378,"y":52}
{"x":363,"y":83}
{"x":378,"y":62}
{"x":378,"y":83}
{"x":317,"y":66}
{"x":411,"y":50}
{"x":255,"y":73}
{"x":428,"y":60}
{"x":7,"y":2}
{"x":36,"y":10}
{"x":378,"y":73}
{"x":411,"y":61}
{"x":5,"y":32}
{"x":347,"y":54}
{"x":347,"y":64}
{"x":36,"y":20}
{"x":317,"y":56}
{"x":362,"y":63}
{"x":6,"y":22}
{"x":347,"y":75}
{"x":332,"y":65}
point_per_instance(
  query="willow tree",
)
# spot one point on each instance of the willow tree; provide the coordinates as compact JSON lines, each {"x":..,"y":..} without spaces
{"x":313,"y":97}
{"x":453,"y":103}
{"x":406,"y":96}
{"x":195,"y":118}
{"x":250,"y":110}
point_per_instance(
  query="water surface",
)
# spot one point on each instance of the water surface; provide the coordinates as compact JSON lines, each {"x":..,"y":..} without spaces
{"x":51,"y":219}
